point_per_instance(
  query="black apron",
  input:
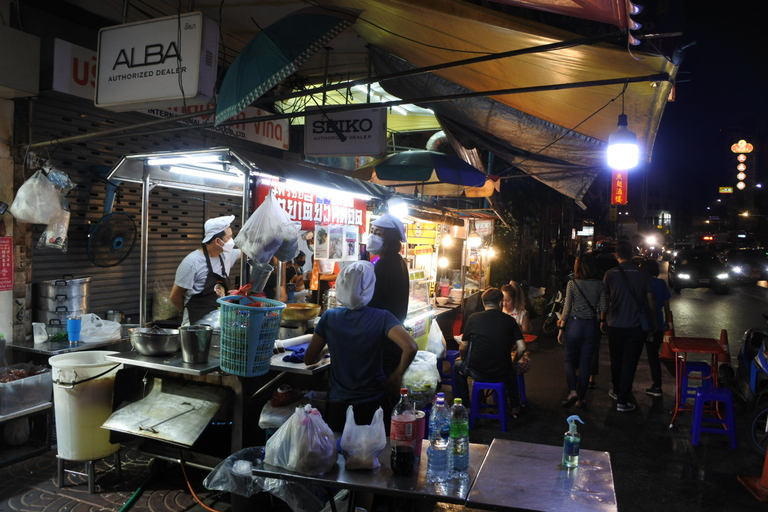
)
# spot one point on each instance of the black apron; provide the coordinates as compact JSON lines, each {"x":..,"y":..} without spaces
{"x":215,"y":287}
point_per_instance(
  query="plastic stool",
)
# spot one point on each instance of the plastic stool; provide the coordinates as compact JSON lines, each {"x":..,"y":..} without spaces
{"x":90,"y":472}
{"x":705,"y":381}
{"x":713,"y":395}
{"x":446,"y":379}
{"x":521,"y":388}
{"x":500,"y":403}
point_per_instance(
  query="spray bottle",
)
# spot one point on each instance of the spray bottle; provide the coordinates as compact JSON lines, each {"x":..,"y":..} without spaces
{"x":571,"y":442}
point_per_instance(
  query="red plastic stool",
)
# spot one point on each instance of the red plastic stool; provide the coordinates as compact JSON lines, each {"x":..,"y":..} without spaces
{"x":500,"y":403}
{"x":723,"y":396}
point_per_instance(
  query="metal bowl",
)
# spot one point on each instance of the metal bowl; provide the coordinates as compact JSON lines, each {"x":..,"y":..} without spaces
{"x":300,"y":312}
{"x":155,"y":341}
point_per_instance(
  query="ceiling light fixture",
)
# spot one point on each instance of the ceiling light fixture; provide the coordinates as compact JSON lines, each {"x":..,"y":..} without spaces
{"x":623,"y":152}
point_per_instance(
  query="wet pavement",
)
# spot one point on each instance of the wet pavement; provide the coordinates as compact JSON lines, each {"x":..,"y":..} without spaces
{"x":654,"y":467}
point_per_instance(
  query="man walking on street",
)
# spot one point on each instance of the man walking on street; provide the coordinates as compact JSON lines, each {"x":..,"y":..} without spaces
{"x":630,"y":292}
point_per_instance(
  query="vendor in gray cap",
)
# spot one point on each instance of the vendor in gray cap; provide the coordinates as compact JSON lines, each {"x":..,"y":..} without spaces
{"x":203,"y":275}
{"x":392,"y":284}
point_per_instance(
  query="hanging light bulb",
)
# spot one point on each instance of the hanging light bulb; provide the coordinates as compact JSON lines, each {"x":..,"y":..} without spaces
{"x":623,"y":152}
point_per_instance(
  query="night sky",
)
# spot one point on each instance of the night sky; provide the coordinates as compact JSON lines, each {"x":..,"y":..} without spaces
{"x":721,"y":96}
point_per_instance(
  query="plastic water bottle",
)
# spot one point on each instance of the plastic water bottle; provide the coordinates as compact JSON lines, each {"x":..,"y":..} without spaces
{"x":438,"y":461}
{"x":459,"y":440}
{"x":403,"y":435}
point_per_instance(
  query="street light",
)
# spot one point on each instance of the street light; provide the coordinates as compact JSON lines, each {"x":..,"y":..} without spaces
{"x":623,"y":152}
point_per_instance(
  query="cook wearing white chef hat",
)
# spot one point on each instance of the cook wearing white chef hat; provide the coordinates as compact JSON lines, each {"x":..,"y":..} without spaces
{"x":203,"y":275}
{"x":355,"y":284}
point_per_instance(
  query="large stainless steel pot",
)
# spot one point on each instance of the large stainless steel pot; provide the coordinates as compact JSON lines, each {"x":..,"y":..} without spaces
{"x":52,"y":303}
{"x":61,"y":313}
{"x":155,"y":341}
{"x":66,"y":286}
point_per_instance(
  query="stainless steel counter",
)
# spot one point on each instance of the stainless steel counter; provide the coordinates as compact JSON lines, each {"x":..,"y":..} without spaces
{"x":383,"y":481}
{"x":52,"y":348}
{"x":171,"y":363}
{"x":527,"y":476}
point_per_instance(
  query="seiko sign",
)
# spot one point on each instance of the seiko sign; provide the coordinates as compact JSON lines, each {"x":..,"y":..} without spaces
{"x":358,"y":133}
{"x":161,"y":62}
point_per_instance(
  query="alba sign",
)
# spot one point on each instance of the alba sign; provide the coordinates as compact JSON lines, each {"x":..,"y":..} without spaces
{"x":160,"y":62}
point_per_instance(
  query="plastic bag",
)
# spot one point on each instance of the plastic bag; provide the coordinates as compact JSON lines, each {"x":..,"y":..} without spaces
{"x":435,"y":340}
{"x":422,"y":378}
{"x":274,"y":417}
{"x":269,"y":232}
{"x":93,"y":329}
{"x":55,"y":234}
{"x":362,"y":444}
{"x":304,"y":444}
{"x":37,"y":200}
{"x":162,"y":307}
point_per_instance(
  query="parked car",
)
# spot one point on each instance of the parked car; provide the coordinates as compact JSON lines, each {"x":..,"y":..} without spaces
{"x":747,"y":265}
{"x":697,"y":268}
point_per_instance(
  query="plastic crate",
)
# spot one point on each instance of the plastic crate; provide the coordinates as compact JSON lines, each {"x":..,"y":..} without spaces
{"x":249,"y":327}
{"x":25,"y":393}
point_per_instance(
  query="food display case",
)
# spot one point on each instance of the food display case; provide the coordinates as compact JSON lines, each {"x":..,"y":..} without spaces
{"x":419,"y":308}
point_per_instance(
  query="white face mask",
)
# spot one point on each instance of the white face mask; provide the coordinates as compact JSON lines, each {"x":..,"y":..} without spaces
{"x":228,"y":246}
{"x":375,"y":243}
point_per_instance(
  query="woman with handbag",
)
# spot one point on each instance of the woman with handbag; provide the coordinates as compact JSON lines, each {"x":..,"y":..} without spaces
{"x":579,"y":326}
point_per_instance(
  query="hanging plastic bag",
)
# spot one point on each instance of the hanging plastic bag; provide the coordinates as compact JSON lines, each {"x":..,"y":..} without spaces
{"x":269,"y":232}
{"x":37,"y":200}
{"x":362,"y":444}
{"x":55,"y":234}
{"x":435,"y":340}
{"x":94,"y":330}
{"x":304,"y":444}
{"x":162,"y":307}
{"x":422,"y":378}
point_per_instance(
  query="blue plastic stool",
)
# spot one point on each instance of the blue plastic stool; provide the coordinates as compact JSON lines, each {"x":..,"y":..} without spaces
{"x":722,"y":395}
{"x":705,"y":381}
{"x":446,"y":379}
{"x":521,"y":387}
{"x":500,"y":403}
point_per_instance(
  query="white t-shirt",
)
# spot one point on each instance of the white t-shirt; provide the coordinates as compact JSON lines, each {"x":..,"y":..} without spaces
{"x":193,"y":272}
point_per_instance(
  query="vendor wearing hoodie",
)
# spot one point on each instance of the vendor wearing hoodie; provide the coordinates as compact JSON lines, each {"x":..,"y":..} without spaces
{"x":356,"y":335}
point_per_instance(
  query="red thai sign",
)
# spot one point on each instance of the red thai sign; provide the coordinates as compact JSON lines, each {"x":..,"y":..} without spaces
{"x":6,"y":263}
{"x":311,"y":205}
{"x":619,"y":187}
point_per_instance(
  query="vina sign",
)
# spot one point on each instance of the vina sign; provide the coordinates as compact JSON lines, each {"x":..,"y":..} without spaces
{"x":163,"y":62}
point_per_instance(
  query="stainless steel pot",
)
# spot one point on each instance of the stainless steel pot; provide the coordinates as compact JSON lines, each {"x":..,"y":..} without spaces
{"x":115,"y":316}
{"x":61,"y":313}
{"x":66,"y":286}
{"x":155,"y":341}
{"x":51,"y":303}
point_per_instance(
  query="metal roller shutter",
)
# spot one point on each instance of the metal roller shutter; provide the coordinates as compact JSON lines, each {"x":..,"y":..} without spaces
{"x":176,"y":217}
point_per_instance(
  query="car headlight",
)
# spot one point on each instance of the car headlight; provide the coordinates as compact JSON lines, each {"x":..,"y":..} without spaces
{"x":684,"y":276}
{"x":724,"y":275}
{"x":737,"y":269}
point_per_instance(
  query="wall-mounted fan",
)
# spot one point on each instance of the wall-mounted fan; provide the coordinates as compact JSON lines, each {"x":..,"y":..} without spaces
{"x":111,"y":239}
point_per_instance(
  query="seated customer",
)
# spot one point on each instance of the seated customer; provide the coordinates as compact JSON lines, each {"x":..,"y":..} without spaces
{"x":355,"y":335}
{"x":489,"y":339}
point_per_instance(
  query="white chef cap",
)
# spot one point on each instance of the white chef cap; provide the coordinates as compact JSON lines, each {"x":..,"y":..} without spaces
{"x":355,"y":283}
{"x":390,"y":221}
{"x":216,"y":225}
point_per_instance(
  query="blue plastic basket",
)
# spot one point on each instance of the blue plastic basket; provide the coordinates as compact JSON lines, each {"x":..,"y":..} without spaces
{"x":248,"y":334}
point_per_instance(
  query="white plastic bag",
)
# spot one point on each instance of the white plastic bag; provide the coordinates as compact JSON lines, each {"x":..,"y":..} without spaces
{"x":269,"y":231}
{"x":435,"y":340}
{"x":93,"y":329}
{"x":37,"y":200}
{"x":362,"y":444}
{"x":422,"y":378}
{"x":304,"y":444}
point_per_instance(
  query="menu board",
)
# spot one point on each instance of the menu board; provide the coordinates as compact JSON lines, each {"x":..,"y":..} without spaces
{"x":6,"y":263}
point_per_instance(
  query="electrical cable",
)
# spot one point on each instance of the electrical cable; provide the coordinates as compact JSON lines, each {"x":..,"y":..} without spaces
{"x":189,"y":484}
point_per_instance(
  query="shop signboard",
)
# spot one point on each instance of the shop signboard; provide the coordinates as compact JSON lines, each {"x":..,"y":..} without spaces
{"x":359,"y":132}
{"x":74,"y":73}
{"x":158,"y":62}
{"x":6,"y":263}
{"x":619,"y":187}
{"x":312,"y":205}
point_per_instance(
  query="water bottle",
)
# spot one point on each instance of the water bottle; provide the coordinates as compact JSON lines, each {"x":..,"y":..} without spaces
{"x":403,"y":435}
{"x":438,"y":461}
{"x":459,"y":440}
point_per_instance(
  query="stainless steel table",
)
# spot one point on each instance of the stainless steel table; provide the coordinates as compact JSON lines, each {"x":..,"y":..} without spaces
{"x":171,"y":363}
{"x":383,"y":481}
{"x":527,"y":476}
{"x":52,"y":348}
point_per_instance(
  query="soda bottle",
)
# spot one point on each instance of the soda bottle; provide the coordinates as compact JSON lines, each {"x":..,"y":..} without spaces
{"x":459,"y":440}
{"x":403,"y":435}
{"x":438,"y":461}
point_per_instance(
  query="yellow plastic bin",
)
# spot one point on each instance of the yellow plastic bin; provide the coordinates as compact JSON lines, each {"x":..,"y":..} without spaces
{"x":83,"y":383}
